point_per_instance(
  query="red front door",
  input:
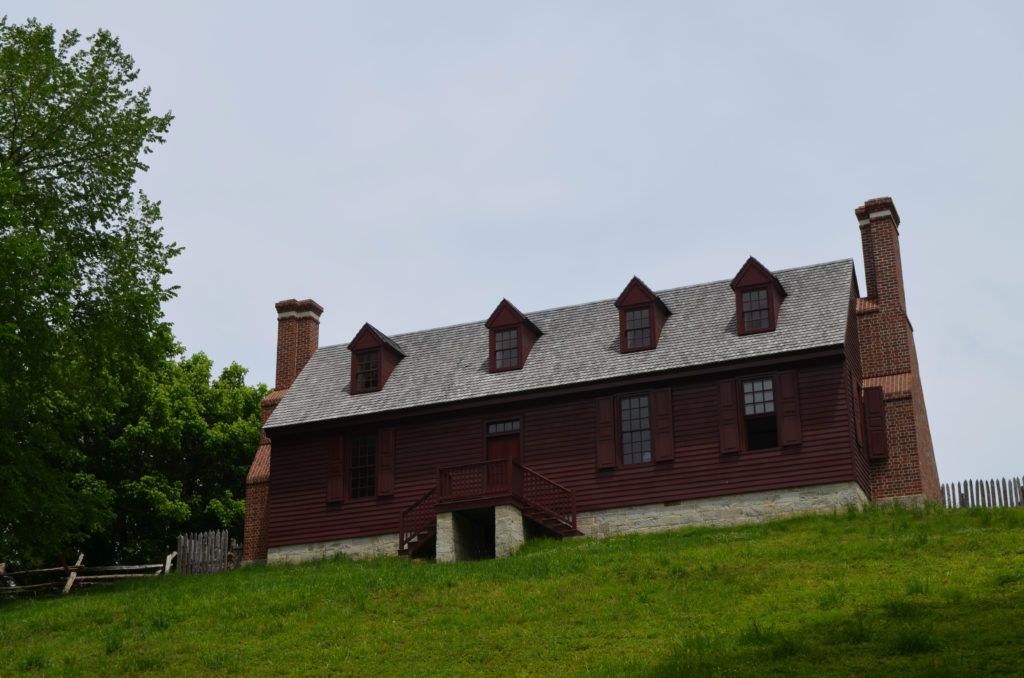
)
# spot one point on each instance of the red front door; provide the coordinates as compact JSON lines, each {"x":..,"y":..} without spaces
{"x":503,"y":447}
{"x":500,"y":447}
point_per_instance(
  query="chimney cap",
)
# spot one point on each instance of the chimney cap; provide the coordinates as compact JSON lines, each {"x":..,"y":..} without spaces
{"x":876,"y":209}
{"x":295,"y":308}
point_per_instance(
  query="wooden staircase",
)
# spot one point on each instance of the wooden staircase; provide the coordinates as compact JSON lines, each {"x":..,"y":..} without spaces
{"x":419,"y":525}
{"x":551,"y":523}
{"x":489,"y":483}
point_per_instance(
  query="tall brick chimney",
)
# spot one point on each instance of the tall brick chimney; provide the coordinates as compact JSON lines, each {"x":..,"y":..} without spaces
{"x":889,"y":361}
{"x":880,"y":240}
{"x":298,"y":335}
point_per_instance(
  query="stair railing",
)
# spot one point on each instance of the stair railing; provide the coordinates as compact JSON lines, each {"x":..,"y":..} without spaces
{"x":418,"y":518}
{"x":548,"y":496}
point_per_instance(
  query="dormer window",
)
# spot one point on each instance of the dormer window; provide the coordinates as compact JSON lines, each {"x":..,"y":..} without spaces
{"x":374,"y":358}
{"x":641,"y":316}
{"x":759,"y":296}
{"x":638,"y":328}
{"x":506,"y":349}
{"x":511,"y":337}
{"x":366,"y":370}
{"x":755,"y":310}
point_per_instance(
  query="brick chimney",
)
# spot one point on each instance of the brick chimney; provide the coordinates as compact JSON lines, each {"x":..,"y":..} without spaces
{"x":880,"y":240}
{"x":889,"y":361}
{"x":298,"y":335}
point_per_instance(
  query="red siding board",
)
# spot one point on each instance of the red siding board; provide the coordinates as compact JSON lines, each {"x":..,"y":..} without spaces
{"x":562,"y":440}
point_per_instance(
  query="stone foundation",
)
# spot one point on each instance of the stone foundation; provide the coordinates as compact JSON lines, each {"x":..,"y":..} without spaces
{"x":357,"y":548}
{"x":509,"y":532}
{"x":451,"y":545}
{"x":736,"y":509}
{"x":454,"y":534}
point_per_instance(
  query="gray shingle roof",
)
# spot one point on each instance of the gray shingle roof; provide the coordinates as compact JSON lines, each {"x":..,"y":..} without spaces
{"x":579,"y":345}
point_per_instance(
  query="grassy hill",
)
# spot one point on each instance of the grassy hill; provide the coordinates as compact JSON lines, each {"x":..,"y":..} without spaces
{"x":880,"y":593}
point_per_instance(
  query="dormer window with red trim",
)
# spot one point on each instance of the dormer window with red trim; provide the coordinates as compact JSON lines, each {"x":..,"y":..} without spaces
{"x":641,"y":316}
{"x":511,"y":337}
{"x":366,"y":370}
{"x":759,"y":296}
{"x":755,"y":310}
{"x":374,"y":358}
{"x":506,"y":349}
{"x":638,"y":328}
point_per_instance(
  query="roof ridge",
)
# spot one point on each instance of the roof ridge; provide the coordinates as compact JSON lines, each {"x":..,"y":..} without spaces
{"x":397,"y":337}
{"x":449,"y":364}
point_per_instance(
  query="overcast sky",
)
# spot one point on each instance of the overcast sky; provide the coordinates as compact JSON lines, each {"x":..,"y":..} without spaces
{"x":410,"y":164}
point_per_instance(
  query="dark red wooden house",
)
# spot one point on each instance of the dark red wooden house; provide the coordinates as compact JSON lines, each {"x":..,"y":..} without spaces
{"x":770,"y":394}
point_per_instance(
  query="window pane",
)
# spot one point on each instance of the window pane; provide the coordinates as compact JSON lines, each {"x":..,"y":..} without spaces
{"x":638,"y":328}
{"x":363,"y":466}
{"x":636,"y":430}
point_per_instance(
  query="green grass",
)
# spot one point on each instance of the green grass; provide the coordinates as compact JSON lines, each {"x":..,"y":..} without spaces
{"x":880,"y":593}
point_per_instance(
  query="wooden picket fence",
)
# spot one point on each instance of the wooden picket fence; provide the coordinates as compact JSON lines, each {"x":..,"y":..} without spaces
{"x":1002,"y":492}
{"x":207,"y":552}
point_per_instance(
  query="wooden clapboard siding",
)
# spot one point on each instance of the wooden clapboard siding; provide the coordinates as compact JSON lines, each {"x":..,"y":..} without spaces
{"x":852,"y":365}
{"x":298,"y":508}
{"x":559,"y":438}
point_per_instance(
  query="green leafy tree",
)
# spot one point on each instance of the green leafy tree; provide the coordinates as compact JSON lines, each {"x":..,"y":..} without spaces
{"x":81,"y":268}
{"x":181,"y":464}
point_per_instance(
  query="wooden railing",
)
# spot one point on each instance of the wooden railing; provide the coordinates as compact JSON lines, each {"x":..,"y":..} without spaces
{"x":994,"y":493}
{"x":549,"y":496}
{"x":419,"y":518}
{"x":486,"y":480}
{"x":480,"y":480}
{"x":505,"y":477}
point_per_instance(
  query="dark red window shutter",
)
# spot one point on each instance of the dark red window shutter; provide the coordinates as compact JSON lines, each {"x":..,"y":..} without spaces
{"x":789,"y":409}
{"x":386,"y":461}
{"x":874,"y":416}
{"x":334,"y":476}
{"x":728,"y":418}
{"x":605,"y":433}
{"x":664,"y":442}
{"x":858,"y":434}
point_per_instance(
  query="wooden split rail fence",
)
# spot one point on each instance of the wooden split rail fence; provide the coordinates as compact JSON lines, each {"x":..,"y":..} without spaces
{"x":995,"y":493}
{"x":52,"y":580}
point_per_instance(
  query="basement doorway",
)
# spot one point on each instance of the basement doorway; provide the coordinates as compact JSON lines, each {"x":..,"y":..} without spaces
{"x":474,"y":534}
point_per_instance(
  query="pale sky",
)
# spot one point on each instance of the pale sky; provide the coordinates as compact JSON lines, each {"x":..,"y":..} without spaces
{"x":410,"y":164}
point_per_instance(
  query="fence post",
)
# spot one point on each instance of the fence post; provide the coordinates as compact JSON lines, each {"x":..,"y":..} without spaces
{"x":74,"y":573}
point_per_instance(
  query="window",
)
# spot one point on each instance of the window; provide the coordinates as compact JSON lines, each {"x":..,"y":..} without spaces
{"x":759,"y":295}
{"x":635,"y":430}
{"x":506,"y":349}
{"x":362,"y":471}
{"x":503,"y":427}
{"x":638,"y":328}
{"x":756,"y":315}
{"x":759,"y":414}
{"x":511,"y":338}
{"x":374,"y":357}
{"x":642,"y":316}
{"x":367,"y":373}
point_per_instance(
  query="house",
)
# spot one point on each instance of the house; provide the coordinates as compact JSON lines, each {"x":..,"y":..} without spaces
{"x":770,"y":394}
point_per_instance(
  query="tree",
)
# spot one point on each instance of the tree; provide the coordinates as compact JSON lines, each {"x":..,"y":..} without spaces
{"x":180,"y":465}
{"x":81,"y":279}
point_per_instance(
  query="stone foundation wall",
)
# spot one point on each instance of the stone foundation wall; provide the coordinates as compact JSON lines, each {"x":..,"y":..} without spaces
{"x":737,"y":509}
{"x":357,"y":548}
{"x":509,"y":534}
